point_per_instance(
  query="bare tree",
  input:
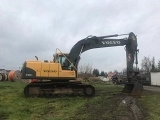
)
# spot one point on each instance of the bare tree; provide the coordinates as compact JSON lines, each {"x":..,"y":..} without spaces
{"x":116,"y":71}
{"x":146,"y":64}
{"x":85,"y":68}
{"x":85,"y":71}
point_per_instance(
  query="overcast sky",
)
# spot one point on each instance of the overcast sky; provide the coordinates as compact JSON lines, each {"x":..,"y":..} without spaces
{"x":38,"y":27}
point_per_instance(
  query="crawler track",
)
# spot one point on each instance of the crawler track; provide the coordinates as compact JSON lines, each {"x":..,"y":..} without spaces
{"x":58,"y":88}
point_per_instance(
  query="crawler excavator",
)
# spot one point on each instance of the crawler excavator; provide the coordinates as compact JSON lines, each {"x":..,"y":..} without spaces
{"x":59,"y":76}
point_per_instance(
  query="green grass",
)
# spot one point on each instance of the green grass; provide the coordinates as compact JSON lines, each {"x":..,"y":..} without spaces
{"x":151,"y":105}
{"x":15,"y":106}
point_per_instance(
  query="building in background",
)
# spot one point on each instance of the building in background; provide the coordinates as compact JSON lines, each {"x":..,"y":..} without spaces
{"x":155,"y":78}
{"x":2,"y":71}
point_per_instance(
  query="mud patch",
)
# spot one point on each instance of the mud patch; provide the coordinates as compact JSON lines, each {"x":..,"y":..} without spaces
{"x":113,"y":107}
{"x":131,"y":103}
{"x":6,"y":87}
{"x":3,"y":116}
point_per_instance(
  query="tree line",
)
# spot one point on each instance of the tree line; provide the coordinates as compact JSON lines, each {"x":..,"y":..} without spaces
{"x":88,"y":71}
{"x":147,"y":65}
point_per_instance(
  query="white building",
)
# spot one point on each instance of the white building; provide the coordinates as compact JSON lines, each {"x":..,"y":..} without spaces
{"x":155,"y":78}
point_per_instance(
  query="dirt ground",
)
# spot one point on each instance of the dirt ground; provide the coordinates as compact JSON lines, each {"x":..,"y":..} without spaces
{"x":134,"y":108}
{"x":131,"y":102}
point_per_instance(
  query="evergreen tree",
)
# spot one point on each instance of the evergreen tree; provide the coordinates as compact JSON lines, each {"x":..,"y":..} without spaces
{"x":153,"y":69}
{"x":158,"y":66}
{"x":102,"y":73}
{"x":96,"y":72}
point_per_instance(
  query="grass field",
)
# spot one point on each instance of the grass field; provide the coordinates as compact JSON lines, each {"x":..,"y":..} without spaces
{"x":150,"y":102}
{"x":14,"y":106}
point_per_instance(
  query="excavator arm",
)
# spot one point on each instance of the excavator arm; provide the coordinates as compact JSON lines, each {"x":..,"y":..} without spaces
{"x":133,"y":86}
{"x":92,"y":42}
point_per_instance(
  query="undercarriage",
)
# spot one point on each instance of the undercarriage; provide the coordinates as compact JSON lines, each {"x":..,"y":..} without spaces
{"x":38,"y":89}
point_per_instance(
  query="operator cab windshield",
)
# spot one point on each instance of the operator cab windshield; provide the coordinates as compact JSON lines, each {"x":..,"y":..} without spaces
{"x":63,"y":61}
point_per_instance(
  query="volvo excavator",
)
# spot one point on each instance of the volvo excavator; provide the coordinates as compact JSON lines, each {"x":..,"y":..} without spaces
{"x":59,"y":76}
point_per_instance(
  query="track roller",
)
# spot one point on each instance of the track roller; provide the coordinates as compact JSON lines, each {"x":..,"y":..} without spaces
{"x":89,"y":91}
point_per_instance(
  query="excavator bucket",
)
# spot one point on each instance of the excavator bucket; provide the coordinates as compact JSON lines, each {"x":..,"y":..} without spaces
{"x":135,"y":89}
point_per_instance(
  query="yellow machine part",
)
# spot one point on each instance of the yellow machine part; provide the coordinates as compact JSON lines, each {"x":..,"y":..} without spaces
{"x":50,"y":69}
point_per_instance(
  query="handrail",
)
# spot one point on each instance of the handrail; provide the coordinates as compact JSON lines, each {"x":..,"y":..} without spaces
{"x":66,"y":58}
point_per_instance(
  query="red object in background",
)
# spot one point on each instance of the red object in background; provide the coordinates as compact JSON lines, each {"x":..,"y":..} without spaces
{"x":34,"y":80}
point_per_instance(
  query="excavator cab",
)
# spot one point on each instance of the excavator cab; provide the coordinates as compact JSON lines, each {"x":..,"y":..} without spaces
{"x":62,"y":59}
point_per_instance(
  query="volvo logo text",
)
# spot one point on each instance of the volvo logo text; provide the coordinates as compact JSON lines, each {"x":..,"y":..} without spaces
{"x":50,"y":71}
{"x":111,"y":42}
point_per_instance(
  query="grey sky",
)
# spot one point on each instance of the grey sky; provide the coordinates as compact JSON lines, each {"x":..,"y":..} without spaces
{"x":38,"y":27}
